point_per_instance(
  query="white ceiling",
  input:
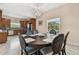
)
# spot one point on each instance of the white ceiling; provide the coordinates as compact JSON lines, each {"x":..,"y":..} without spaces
{"x":24,"y":10}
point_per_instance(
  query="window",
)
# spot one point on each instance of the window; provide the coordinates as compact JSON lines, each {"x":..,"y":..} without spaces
{"x":53,"y":25}
{"x":15,"y":25}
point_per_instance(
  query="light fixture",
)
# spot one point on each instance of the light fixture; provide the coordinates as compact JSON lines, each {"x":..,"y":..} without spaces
{"x":36,"y":10}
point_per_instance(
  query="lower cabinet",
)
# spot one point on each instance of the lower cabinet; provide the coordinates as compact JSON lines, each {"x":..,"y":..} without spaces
{"x":3,"y":37}
{"x":14,"y":32}
{"x":10,"y":32}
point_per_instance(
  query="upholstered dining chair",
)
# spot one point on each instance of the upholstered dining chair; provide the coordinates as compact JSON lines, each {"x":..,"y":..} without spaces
{"x":57,"y":44}
{"x":25,"y":48}
{"x":64,"y":46}
{"x":35,"y":32}
{"x":52,"y":32}
{"x":55,"y":47}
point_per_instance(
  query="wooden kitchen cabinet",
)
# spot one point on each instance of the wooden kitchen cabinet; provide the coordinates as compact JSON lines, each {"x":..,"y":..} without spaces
{"x":33,"y":22}
{"x":3,"y":37}
{"x":6,"y":22}
{"x":17,"y":31}
{"x":0,"y":13}
{"x":25,"y":22}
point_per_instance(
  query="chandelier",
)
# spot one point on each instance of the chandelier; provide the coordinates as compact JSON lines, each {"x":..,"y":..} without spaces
{"x":36,"y":10}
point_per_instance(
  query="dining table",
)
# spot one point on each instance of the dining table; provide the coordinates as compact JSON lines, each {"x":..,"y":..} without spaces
{"x":37,"y":41}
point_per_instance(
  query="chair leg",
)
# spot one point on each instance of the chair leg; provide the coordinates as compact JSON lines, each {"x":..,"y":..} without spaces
{"x":63,"y":52}
{"x":53,"y":54}
{"x":59,"y":53}
{"x":26,"y":52}
{"x":21,"y":52}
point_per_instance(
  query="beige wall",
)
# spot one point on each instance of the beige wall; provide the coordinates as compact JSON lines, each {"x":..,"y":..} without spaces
{"x":69,"y":14}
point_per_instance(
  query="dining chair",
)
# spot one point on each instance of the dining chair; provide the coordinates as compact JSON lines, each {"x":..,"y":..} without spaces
{"x":57,"y":44}
{"x":29,"y":32}
{"x":52,"y":32}
{"x":23,"y":30}
{"x":45,"y":35}
{"x":64,"y":46}
{"x":35,"y":32}
{"x":25,"y":48}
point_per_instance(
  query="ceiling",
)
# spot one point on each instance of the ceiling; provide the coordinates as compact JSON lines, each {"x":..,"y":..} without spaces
{"x":24,"y":10}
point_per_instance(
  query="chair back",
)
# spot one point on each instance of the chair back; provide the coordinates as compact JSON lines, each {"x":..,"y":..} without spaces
{"x":57,"y":43}
{"x":45,"y":35}
{"x":65,"y":39}
{"x":35,"y":32}
{"x":22,"y":42}
{"x":24,"y":30}
{"x":52,"y":32}
{"x":29,"y":32}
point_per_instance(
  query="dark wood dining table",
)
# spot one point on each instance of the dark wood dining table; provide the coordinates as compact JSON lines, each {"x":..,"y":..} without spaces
{"x":38,"y":42}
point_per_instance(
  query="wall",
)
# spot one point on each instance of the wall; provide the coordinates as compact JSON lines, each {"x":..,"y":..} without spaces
{"x":69,"y":14}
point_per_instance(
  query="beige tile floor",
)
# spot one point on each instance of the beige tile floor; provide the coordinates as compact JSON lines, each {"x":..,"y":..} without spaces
{"x":12,"y":47}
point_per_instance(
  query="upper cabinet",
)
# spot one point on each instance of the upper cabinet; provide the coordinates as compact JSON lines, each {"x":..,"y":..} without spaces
{"x":6,"y":23}
{"x":31,"y":21}
{"x":0,"y":13}
{"x":24,"y":23}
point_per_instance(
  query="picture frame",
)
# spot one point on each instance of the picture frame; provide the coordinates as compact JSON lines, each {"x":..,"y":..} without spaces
{"x":40,"y":22}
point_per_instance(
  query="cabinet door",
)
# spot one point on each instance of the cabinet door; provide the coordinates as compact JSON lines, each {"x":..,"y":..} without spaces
{"x":3,"y":37}
{"x":16,"y":32}
{"x":6,"y":22}
{"x":33,"y":21}
{"x":0,"y":13}
{"x":3,"y":22}
{"x":24,"y":23}
{"x":0,"y":23}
